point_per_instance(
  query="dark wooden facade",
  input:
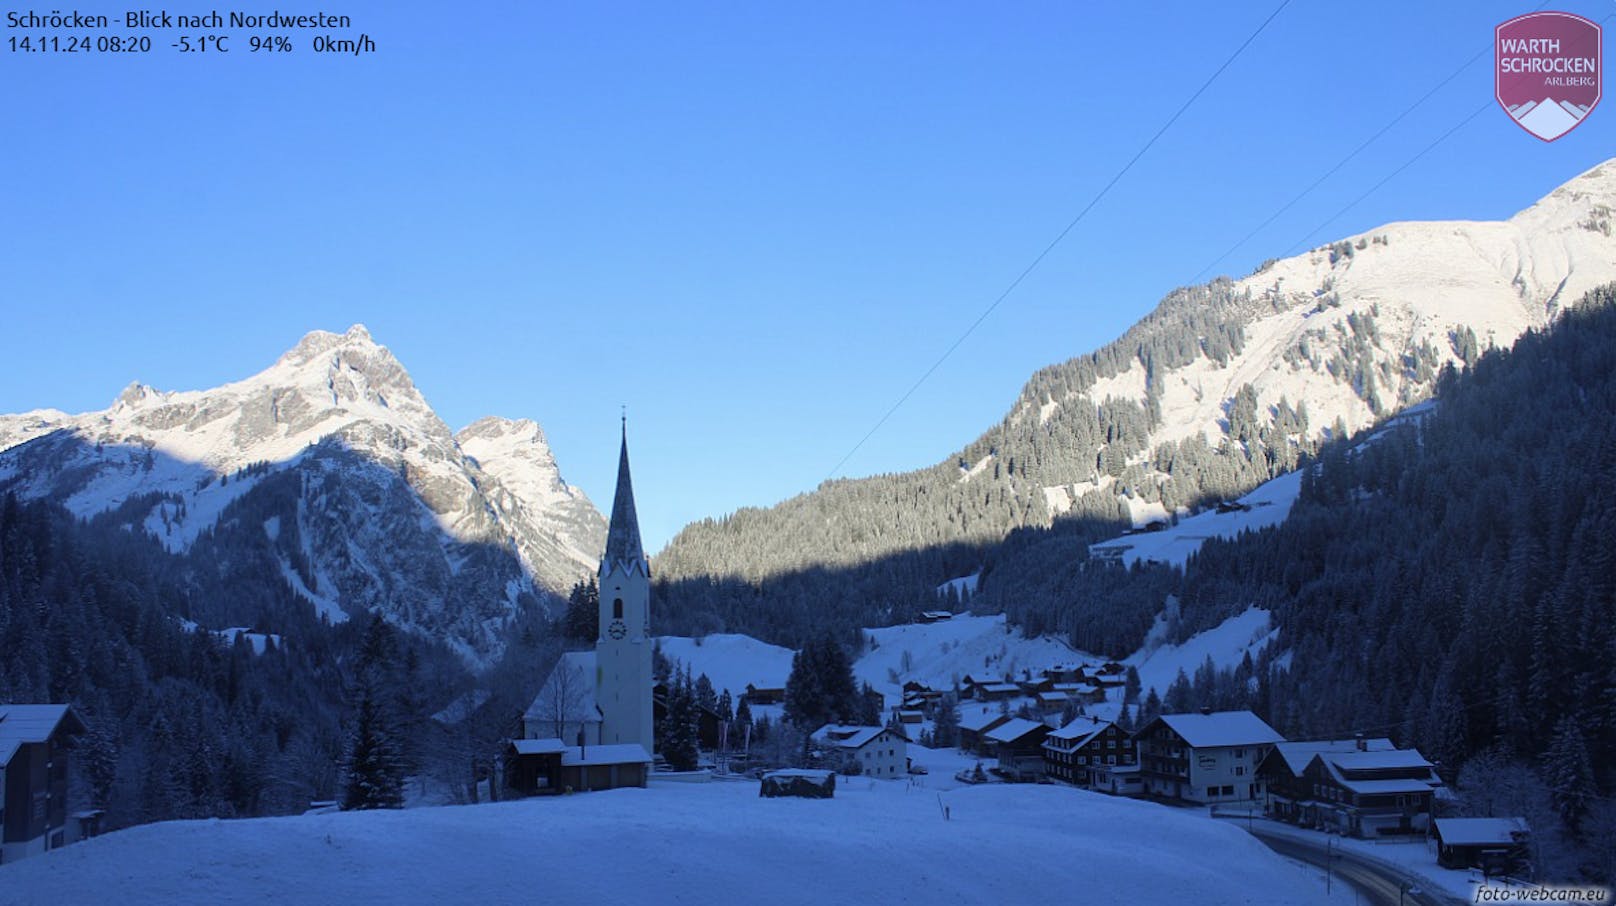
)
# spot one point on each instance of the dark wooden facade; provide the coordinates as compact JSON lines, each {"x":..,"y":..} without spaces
{"x":1070,"y":757}
{"x":33,"y":810}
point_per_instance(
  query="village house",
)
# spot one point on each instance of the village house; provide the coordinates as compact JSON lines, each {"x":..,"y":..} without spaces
{"x":868,"y":751}
{"x":1075,"y":750}
{"x":1209,"y":757}
{"x":993,"y":692}
{"x":1497,"y":846}
{"x":1018,"y":744}
{"x":973,"y":727}
{"x":1116,"y":779}
{"x":763,"y":695}
{"x":33,"y":778}
{"x":1362,"y":787}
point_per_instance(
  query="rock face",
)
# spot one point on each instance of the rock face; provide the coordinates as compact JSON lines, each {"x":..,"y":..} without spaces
{"x":332,"y":457}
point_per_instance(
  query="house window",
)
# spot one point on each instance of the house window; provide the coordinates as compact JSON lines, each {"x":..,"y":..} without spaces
{"x":1239,"y":772}
{"x":617,"y":608}
{"x":1239,"y":753}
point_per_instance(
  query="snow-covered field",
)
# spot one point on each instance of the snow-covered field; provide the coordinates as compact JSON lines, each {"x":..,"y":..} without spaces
{"x":939,"y":653}
{"x":1226,"y":643}
{"x":731,"y":660}
{"x":1268,"y":504}
{"x":876,"y":842}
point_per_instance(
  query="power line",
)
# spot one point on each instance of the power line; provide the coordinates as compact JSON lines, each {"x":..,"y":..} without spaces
{"x":1348,"y":159}
{"x":1039,"y":258}
{"x":1302,"y":244}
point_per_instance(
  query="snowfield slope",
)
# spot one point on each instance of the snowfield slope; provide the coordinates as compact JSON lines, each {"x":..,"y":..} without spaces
{"x":875,"y":842}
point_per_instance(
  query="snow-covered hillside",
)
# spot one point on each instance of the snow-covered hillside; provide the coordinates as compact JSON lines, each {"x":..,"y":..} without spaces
{"x":938,"y":654}
{"x":387,"y":497}
{"x":1267,"y":505}
{"x":1357,"y":329}
{"x":875,"y":842}
{"x":731,"y":661}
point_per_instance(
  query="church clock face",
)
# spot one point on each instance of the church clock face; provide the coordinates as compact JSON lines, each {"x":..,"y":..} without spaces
{"x":617,"y":630}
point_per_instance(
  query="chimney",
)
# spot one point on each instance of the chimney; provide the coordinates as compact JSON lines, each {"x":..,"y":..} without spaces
{"x":1206,"y":709}
{"x":1363,"y":744}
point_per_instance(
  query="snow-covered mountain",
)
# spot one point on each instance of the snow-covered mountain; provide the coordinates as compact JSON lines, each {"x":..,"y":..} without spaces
{"x":1358,"y":329}
{"x":368,"y":498}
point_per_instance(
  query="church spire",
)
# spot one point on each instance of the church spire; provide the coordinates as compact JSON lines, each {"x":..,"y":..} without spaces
{"x":623,"y":536}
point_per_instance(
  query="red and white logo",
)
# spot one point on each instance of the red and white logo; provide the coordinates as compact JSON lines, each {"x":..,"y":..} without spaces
{"x":1548,"y":71}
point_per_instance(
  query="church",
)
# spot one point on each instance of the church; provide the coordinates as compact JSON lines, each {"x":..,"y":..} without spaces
{"x":590,"y":726}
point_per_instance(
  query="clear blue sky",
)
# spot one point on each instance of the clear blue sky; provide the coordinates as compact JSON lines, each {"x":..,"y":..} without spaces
{"x":754,"y":224}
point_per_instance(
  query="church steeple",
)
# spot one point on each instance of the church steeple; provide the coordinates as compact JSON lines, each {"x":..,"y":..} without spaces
{"x":623,"y":547}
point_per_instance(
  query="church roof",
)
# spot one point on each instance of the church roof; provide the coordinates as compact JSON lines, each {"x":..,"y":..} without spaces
{"x":623,"y":536}
{"x":568,"y":695}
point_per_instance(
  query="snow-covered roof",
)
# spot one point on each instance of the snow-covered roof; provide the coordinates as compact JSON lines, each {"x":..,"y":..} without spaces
{"x":21,"y":725}
{"x":569,"y":690}
{"x":1381,"y":760}
{"x":980,"y":721}
{"x":1221,"y":728}
{"x":1013,"y":729}
{"x":1297,"y":755}
{"x":538,"y":746}
{"x":998,"y":687}
{"x":1081,"y":729}
{"x":848,"y":737}
{"x":1480,"y":831}
{"x":616,"y":753}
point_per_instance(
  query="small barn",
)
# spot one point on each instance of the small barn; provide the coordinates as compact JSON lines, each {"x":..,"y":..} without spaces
{"x":1497,"y":846}
{"x":605,"y":767}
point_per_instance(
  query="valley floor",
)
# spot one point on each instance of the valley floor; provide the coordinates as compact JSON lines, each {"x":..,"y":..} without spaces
{"x":875,"y":842}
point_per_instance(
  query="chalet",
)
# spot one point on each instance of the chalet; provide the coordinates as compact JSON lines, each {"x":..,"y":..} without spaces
{"x":910,"y":718}
{"x":1498,"y":846}
{"x":1362,"y":787}
{"x":1072,"y":752}
{"x":1116,"y":779}
{"x":935,"y":616}
{"x":1208,"y":757}
{"x":1064,"y":673}
{"x":33,"y":778}
{"x":1052,"y":702}
{"x":973,"y":727}
{"x":915,"y":688}
{"x":993,"y":692}
{"x":868,"y":751}
{"x":1018,"y":744}
{"x":763,"y":695}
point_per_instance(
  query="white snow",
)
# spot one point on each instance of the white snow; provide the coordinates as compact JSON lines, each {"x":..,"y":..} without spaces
{"x":875,"y":842}
{"x":1158,"y":664}
{"x":1422,"y":281}
{"x":964,"y":586}
{"x":1269,"y":504}
{"x":191,"y":444}
{"x":938,"y":654}
{"x":973,"y":471}
{"x":731,"y":661}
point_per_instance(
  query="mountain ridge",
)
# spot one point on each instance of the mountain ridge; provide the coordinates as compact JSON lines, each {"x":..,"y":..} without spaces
{"x":333,"y":407}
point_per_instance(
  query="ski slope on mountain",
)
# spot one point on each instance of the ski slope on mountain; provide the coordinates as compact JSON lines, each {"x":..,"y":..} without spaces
{"x":875,"y":842}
